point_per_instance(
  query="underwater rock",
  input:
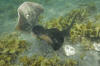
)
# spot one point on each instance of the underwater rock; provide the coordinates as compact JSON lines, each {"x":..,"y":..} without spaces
{"x":69,"y":50}
{"x":28,"y":14}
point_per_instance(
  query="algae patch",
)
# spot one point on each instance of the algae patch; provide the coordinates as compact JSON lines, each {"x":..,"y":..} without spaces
{"x":10,"y":48}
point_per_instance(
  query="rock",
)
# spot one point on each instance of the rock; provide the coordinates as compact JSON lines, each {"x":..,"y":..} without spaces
{"x":28,"y":14}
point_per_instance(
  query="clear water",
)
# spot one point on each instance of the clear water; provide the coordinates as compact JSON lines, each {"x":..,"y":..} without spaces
{"x":52,"y":9}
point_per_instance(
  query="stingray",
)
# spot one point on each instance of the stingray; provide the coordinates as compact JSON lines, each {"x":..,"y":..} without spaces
{"x":53,"y":36}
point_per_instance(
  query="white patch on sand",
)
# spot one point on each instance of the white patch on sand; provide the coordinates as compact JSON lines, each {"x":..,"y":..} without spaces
{"x":96,"y":46}
{"x":69,"y":50}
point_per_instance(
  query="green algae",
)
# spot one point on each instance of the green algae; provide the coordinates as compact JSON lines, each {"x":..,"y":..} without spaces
{"x":10,"y":47}
{"x":76,"y":15}
{"x":43,"y":61}
{"x":82,"y":26}
{"x":85,"y":30}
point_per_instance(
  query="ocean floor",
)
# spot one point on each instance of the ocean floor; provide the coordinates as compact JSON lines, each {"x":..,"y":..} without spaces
{"x":52,"y":9}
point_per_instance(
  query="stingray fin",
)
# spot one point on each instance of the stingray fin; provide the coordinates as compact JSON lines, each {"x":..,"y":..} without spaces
{"x":46,"y":38}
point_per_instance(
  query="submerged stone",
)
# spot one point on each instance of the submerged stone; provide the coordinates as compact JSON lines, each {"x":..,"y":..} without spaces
{"x":28,"y":14}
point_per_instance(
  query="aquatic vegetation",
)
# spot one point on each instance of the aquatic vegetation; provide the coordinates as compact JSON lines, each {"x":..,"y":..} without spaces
{"x":82,"y":30}
{"x":43,"y":61}
{"x":10,"y":47}
{"x":76,"y":15}
{"x":38,"y":61}
{"x":55,"y":23}
{"x":81,"y":26}
{"x":87,"y":44}
{"x":70,"y":62}
{"x":87,"y":30}
{"x":73,"y":23}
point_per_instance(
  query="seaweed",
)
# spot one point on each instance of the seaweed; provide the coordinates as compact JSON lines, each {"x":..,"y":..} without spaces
{"x":87,"y":44}
{"x":44,"y":61}
{"x":10,"y":47}
{"x":70,"y":62}
{"x":87,"y":30}
{"x":79,"y":15}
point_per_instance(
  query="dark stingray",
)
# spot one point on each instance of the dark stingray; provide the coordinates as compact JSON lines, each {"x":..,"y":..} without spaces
{"x":53,"y":36}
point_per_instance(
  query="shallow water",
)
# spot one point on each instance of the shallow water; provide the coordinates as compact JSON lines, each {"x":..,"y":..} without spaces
{"x":52,"y":9}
